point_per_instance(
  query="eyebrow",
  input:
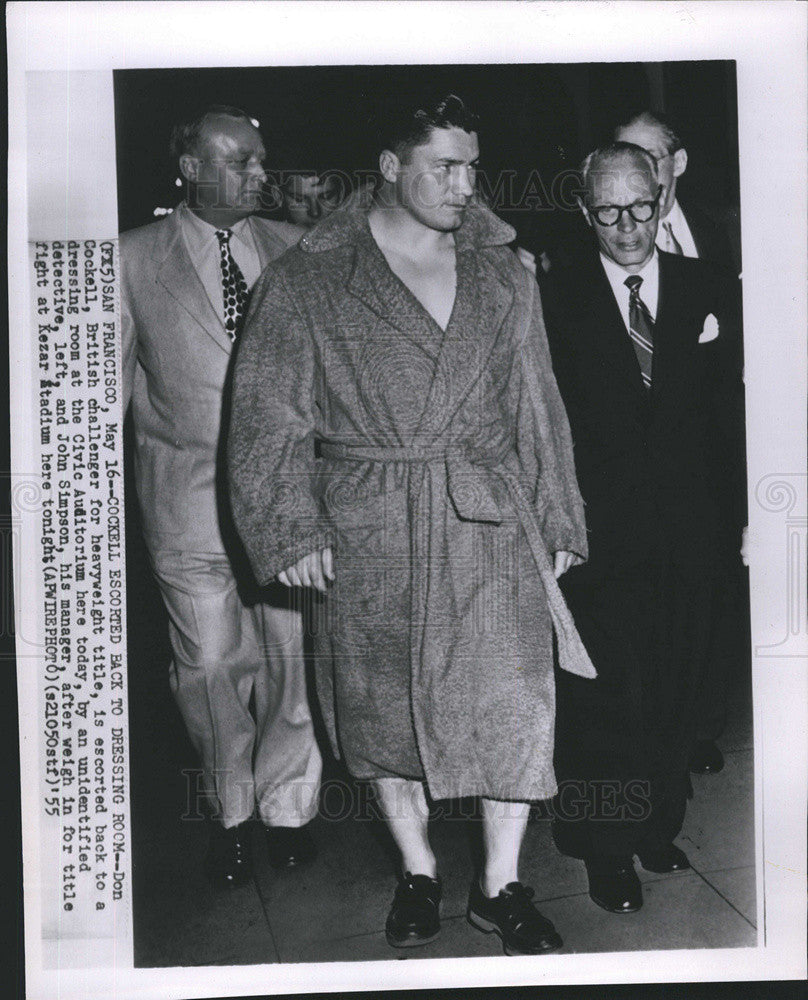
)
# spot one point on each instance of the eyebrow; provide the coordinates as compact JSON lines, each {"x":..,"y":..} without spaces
{"x":612,"y":204}
{"x":453,"y":162}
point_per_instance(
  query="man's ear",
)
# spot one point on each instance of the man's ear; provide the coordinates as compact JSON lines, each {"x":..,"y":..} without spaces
{"x":679,"y":162}
{"x":189,"y":167}
{"x":389,"y":165}
{"x":583,"y":209}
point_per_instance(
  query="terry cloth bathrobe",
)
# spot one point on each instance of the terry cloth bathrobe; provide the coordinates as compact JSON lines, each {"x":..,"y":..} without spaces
{"x":438,"y":465}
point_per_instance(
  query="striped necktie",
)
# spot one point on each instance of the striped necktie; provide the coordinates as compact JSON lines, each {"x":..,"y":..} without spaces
{"x":673,"y":245}
{"x":234,"y":287}
{"x":641,"y":328}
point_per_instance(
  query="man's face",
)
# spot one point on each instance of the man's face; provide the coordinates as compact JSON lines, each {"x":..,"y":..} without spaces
{"x":436,"y":183}
{"x":229,"y":168}
{"x":307,"y":200}
{"x":622,"y":182}
{"x":670,"y":165}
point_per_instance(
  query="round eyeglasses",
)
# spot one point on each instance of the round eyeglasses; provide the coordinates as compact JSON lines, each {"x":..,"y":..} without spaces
{"x":640,"y":211}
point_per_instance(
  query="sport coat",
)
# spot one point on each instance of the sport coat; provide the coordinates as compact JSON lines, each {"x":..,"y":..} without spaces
{"x":176,"y":358}
{"x":661,"y":473}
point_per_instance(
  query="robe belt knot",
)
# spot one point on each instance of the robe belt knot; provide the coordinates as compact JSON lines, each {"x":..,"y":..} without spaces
{"x":466,"y":467}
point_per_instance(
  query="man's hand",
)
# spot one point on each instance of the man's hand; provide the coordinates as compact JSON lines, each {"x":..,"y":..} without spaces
{"x":311,"y":571}
{"x":563,"y":561}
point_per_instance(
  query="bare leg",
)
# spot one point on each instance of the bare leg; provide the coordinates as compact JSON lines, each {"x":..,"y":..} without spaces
{"x":503,"y":829}
{"x":403,"y":804}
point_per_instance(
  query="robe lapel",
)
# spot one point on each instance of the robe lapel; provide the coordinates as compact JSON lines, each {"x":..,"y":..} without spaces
{"x":482,"y":302}
{"x":374,"y":284}
{"x":176,"y":273}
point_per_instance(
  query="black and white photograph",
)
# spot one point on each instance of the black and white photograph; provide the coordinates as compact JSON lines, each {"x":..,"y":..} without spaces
{"x":454,"y":716}
{"x":411,"y":497}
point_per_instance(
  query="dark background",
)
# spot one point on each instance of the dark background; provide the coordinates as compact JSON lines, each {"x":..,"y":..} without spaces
{"x":543,"y":118}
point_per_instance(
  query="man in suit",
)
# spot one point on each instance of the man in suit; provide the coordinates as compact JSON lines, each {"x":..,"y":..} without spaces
{"x":237,"y":672}
{"x":688,"y":228}
{"x":691,"y":229}
{"x":645,"y":349}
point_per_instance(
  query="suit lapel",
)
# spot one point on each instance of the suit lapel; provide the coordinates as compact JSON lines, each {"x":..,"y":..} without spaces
{"x":176,"y":273}
{"x":672,"y":355}
{"x":610,"y":338}
{"x":269,"y":246}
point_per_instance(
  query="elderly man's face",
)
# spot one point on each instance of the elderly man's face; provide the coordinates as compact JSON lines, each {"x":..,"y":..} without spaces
{"x":670,"y":165}
{"x":622,"y":182}
{"x":229,"y":172}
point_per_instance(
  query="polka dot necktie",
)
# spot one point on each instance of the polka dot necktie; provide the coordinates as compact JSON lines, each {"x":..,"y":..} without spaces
{"x":641,"y":328}
{"x":234,"y":287}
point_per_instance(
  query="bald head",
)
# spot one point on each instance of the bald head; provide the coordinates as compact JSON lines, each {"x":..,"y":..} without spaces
{"x":221,"y":156}
{"x":618,"y":163}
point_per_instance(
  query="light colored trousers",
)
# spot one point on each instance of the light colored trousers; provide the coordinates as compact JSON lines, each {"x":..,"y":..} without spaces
{"x":238,"y":678}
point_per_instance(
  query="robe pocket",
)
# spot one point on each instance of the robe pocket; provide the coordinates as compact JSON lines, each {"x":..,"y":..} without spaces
{"x":475,"y":492}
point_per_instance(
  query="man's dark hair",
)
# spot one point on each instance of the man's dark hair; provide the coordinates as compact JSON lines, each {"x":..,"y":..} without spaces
{"x":654,"y":119}
{"x":186,"y":136}
{"x":401,"y":129}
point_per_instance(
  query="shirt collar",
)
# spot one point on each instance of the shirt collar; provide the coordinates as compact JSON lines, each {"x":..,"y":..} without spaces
{"x":617,"y":275}
{"x":675,"y":218}
{"x":201,"y":235}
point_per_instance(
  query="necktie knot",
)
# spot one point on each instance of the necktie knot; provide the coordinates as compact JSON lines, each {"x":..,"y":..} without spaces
{"x":223,"y":236}
{"x":633,"y":282}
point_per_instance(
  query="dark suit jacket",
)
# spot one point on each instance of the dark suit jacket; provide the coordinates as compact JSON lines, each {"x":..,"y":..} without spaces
{"x":717,"y":236}
{"x":661,"y":473}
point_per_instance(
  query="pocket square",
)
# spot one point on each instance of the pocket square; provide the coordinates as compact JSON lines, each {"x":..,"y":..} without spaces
{"x":710,"y":330}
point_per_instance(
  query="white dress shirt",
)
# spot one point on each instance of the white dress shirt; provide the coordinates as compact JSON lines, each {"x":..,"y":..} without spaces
{"x":649,"y":289}
{"x":203,"y":247}
{"x":680,"y":229}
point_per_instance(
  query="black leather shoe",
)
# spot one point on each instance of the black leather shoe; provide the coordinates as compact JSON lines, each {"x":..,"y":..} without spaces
{"x":613,"y":884}
{"x":414,"y":917}
{"x":229,"y":860}
{"x":666,"y":859}
{"x":706,"y":758}
{"x":288,"y":846}
{"x":512,"y":915}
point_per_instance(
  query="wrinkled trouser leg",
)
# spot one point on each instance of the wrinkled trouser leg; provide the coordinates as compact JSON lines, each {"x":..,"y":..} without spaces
{"x":225,"y":655}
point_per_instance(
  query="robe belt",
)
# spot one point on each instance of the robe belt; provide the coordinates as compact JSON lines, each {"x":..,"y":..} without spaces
{"x":464,"y":473}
